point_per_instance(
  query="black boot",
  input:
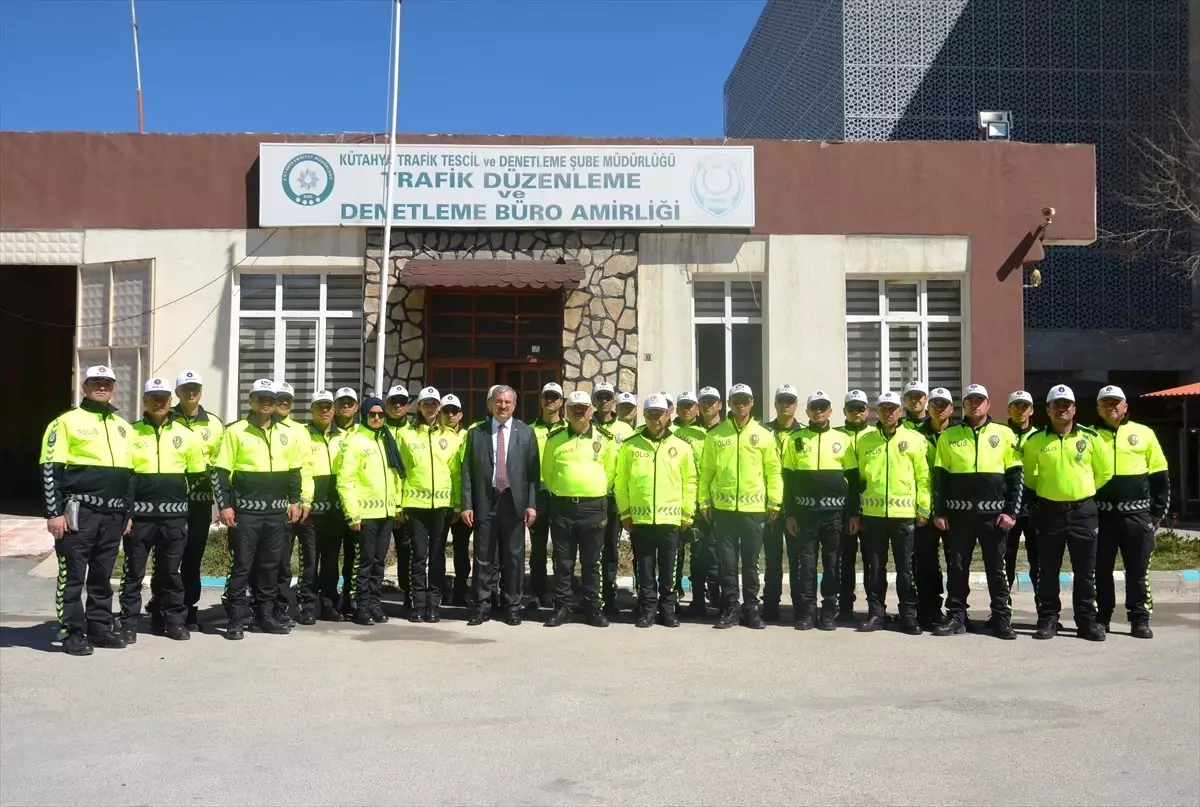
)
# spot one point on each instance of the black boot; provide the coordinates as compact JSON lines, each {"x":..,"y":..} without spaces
{"x":76,"y":644}
{"x":953,"y":626}
{"x":415,"y":615}
{"x":433,"y":614}
{"x":459,"y":596}
{"x":872,"y":624}
{"x":192,"y":622}
{"x":363,"y":617}
{"x":669,"y":618}
{"x":911,"y":627}
{"x":378,"y":615}
{"x":1139,"y":627}
{"x":307,"y":617}
{"x":804,"y":619}
{"x":129,"y":630}
{"x":177,"y":633}
{"x":107,"y":639}
{"x":479,"y":617}
{"x":770,"y":613}
{"x":233,"y":629}
{"x":714,"y":596}
{"x":559,"y":617}
{"x":282,"y":617}
{"x":645,"y":617}
{"x":331,"y":614}
{"x":1047,"y":627}
{"x":597,"y":619}
{"x":828,"y":619}
{"x":845,"y":615}
{"x":697,"y":608}
{"x":1091,"y":632}
{"x":1002,"y":627}
{"x":728,"y":618}
{"x":265,"y":622}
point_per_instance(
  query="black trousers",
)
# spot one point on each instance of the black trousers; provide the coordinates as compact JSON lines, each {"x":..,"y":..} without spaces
{"x":816,"y":531}
{"x":577,"y":528}
{"x":403,"y":559}
{"x":878,"y":534}
{"x":964,"y":532}
{"x":654,"y":550}
{"x":199,"y":519}
{"x":167,"y":537}
{"x":351,"y":544}
{"x":1069,"y":527}
{"x":427,"y":569}
{"x":320,"y":538}
{"x":929,"y":543}
{"x":283,"y":587}
{"x":610,"y":556}
{"x":255,"y":543}
{"x":848,"y":552}
{"x":460,"y":534}
{"x":85,"y":559}
{"x":1131,"y":534}
{"x":739,"y":537}
{"x":539,"y":536}
{"x":500,"y":547}
{"x":703,"y":571}
{"x":773,"y":535}
{"x":1012,"y":545}
{"x":374,"y":538}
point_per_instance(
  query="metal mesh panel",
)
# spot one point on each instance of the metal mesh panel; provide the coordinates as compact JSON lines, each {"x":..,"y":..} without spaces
{"x":93,"y":306}
{"x":131,"y":305}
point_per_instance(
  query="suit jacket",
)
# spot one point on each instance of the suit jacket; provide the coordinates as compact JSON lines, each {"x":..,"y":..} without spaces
{"x":479,"y":459}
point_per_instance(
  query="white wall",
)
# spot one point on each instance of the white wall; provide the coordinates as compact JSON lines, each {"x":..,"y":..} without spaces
{"x":193,"y":271}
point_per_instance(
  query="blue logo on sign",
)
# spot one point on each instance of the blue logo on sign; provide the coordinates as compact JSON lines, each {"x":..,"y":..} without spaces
{"x":717,"y":184}
{"x":307,"y":179}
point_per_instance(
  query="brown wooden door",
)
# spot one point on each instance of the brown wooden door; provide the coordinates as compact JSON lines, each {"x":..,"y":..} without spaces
{"x":527,"y":378}
{"x":467,"y":379}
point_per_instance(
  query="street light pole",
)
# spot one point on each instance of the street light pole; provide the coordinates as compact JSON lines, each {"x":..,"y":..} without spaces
{"x":385,"y":260}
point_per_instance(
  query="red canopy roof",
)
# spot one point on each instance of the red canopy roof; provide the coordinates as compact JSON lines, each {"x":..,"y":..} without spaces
{"x":1186,"y":389}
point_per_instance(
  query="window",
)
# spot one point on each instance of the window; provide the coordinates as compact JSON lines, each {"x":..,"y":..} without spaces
{"x":114,"y":327}
{"x":729,"y":336}
{"x":305,"y":329}
{"x":898,"y":330}
{"x":495,"y":326}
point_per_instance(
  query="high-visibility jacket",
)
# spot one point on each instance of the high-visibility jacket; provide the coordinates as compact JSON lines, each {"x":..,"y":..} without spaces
{"x":323,"y":450}
{"x":656,"y":480}
{"x":257,"y":469}
{"x":1066,"y":468}
{"x":852,"y":433}
{"x":926,"y":429}
{"x":209,"y":428}
{"x":541,"y":430}
{"x":1140,"y":483}
{"x":366,"y":484}
{"x":977,"y":471}
{"x":814,"y":469}
{"x":739,"y":469}
{"x":300,"y":435}
{"x":85,"y":455}
{"x":889,"y":475}
{"x":580,"y":465}
{"x":167,"y":460}
{"x":1023,"y":435}
{"x":619,"y":429}
{"x":433,"y":464}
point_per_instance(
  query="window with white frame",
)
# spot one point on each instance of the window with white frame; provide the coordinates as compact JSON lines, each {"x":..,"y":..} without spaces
{"x":305,"y":329}
{"x":898,"y":330}
{"x":114,"y":327}
{"x":729,"y":335}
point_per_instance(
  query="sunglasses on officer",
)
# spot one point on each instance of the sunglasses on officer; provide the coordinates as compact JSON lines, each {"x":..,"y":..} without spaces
{"x":397,"y":400}
{"x":450,"y":410}
{"x":375,"y":414}
{"x":856,"y":407}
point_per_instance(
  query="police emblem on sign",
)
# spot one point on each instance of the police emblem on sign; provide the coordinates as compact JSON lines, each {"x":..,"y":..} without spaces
{"x":1133,"y":439}
{"x":205,"y":434}
{"x":717,"y":184}
{"x":904,"y":445}
{"x":754,"y":439}
{"x":442,"y":444}
{"x":121,"y":430}
{"x":177,"y":441}
{"x":837,"y":448}
{"x":283,"y":439}
{"x":994,"y":440}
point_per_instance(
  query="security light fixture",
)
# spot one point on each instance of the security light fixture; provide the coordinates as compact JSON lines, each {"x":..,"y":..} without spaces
{"x":995,"y":125}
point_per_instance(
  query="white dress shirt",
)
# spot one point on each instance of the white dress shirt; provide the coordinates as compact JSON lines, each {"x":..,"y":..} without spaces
{"x":495,"y":452}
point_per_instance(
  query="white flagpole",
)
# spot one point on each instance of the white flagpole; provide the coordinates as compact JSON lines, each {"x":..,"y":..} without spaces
{"x":386,"y":252}
{"x":137,"y":68}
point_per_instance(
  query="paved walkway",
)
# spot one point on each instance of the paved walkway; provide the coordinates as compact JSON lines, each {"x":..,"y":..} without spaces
{"x":24,"y":535}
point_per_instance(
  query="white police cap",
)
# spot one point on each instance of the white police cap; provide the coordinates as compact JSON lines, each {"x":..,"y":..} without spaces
{"x":857,"y":396}
{"x":187,"y":377}
{"x":784,"y":390}
{"x":941,"y":394}
{"x":283,"y":388}
{"x":818,"y":395}
{"x":603,"y":386}
{"x":709,"y":392}
{"x":976,"y":389}
{"x":321,"y":396}
{"x":553,"y":387}
{"x":627,"y":398}
{"x":429,"y":394}
{"x":1020,"y":396}
{"x":99,"y":371}
{"x":1060,"y":393}
{"x":401,"y":391}
{"x":741,"y":389}
{"x":888,"y":397}
{"x":579,"y":398}
{"x":346,"y":392}
{"x":686,"y":398}
{"x":450,"y":399}
{"x":670,"y":398}
{"x":156,"y":386}
{"x":655,"y":402}
{"x":916,"y":386}
{"x":263,"y":386}
{"x":1111,"y":391}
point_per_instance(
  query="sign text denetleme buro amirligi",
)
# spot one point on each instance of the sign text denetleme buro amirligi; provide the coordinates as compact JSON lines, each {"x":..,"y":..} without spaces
{"x":575,"y":187}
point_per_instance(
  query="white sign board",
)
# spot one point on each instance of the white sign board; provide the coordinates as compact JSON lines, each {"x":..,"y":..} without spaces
{"x":507,"y":187}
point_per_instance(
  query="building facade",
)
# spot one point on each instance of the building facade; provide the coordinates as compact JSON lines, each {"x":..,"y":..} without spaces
{"x":1102,"y":72}
{"x":155,"y":253}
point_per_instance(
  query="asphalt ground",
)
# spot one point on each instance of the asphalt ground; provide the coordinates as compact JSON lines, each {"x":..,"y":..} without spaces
{"x":446,"y":714}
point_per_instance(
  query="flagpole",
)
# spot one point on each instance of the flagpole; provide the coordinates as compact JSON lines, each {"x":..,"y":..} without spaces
{"x":137,"y":67}
{"x":385,"y":260}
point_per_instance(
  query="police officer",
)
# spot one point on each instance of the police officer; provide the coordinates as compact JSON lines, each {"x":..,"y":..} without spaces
{"x":977,"y":488}
{"x":345,"y":415}
{"x":1131,"y":506}
{"x":1065,"y":464}
{"x":854,"y":410}
{"x":656,"y":496}
{"x":201,"y":512}
{"x":929,"y":542}
{"x":888,"y":477}
{"x":814,"y":462}
{"x":85,"y":477}
{"x":578,"y":468}
{"x":741,"y":489}
{"x":604,"y":401}
{"x":549,"y":418}
{"x":627,"y":409}
{"x":703,"y":573}
{"x":369,"y":482}
{"x":323,"y":534}
{"x":783,"y":427}
{"x":460,"y":534}
{"x":432,"y":494}
{"x":916,"y":405}
{"x":686,"y":426}
{"x":257,"y":484}
{"x":167,"y":457}
{"x":398,"y":401}
{"x":285,"y":398}
{"x":1020,"y":420}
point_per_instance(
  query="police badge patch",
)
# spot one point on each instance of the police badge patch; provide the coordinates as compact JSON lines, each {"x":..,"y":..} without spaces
{"x":177,"y":441}
{"x":442,"y":444}
{"x":754,"y":439}
{"x":205,"y":434}
{"x":994,"y":440}
{"x":283,"y":439}
{"x":672,"y":451}
{"x":1133,"y":439}
{"x":837,"y":448}
{"x":596,"y":446}
{"x":1081,"y":446}
{"x":121,"y":430}
{"x":904,"y":445}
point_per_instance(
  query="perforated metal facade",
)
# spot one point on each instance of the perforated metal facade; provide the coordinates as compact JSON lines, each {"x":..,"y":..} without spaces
{"x":1092,"y":71}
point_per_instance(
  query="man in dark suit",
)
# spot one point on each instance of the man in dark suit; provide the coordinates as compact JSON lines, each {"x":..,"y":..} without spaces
{"x":500,"y":478}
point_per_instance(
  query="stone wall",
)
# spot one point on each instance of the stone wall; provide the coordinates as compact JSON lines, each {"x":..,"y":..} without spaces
{"x":599,"y":338}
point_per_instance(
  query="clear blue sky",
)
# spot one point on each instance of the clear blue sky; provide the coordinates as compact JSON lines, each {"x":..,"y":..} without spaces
{"x":652,"y":68}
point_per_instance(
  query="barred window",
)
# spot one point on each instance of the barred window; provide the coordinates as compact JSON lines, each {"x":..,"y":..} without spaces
{"x":729,"y":335}
{"x":114,"y":327}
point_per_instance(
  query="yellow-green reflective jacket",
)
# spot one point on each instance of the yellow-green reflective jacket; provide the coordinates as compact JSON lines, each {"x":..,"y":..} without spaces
{"x":656,"y":480}
{"x":432,"y":463}
{"x":740,"y":469}
{"x":889,"y":476}
{"x":366,"y":484}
